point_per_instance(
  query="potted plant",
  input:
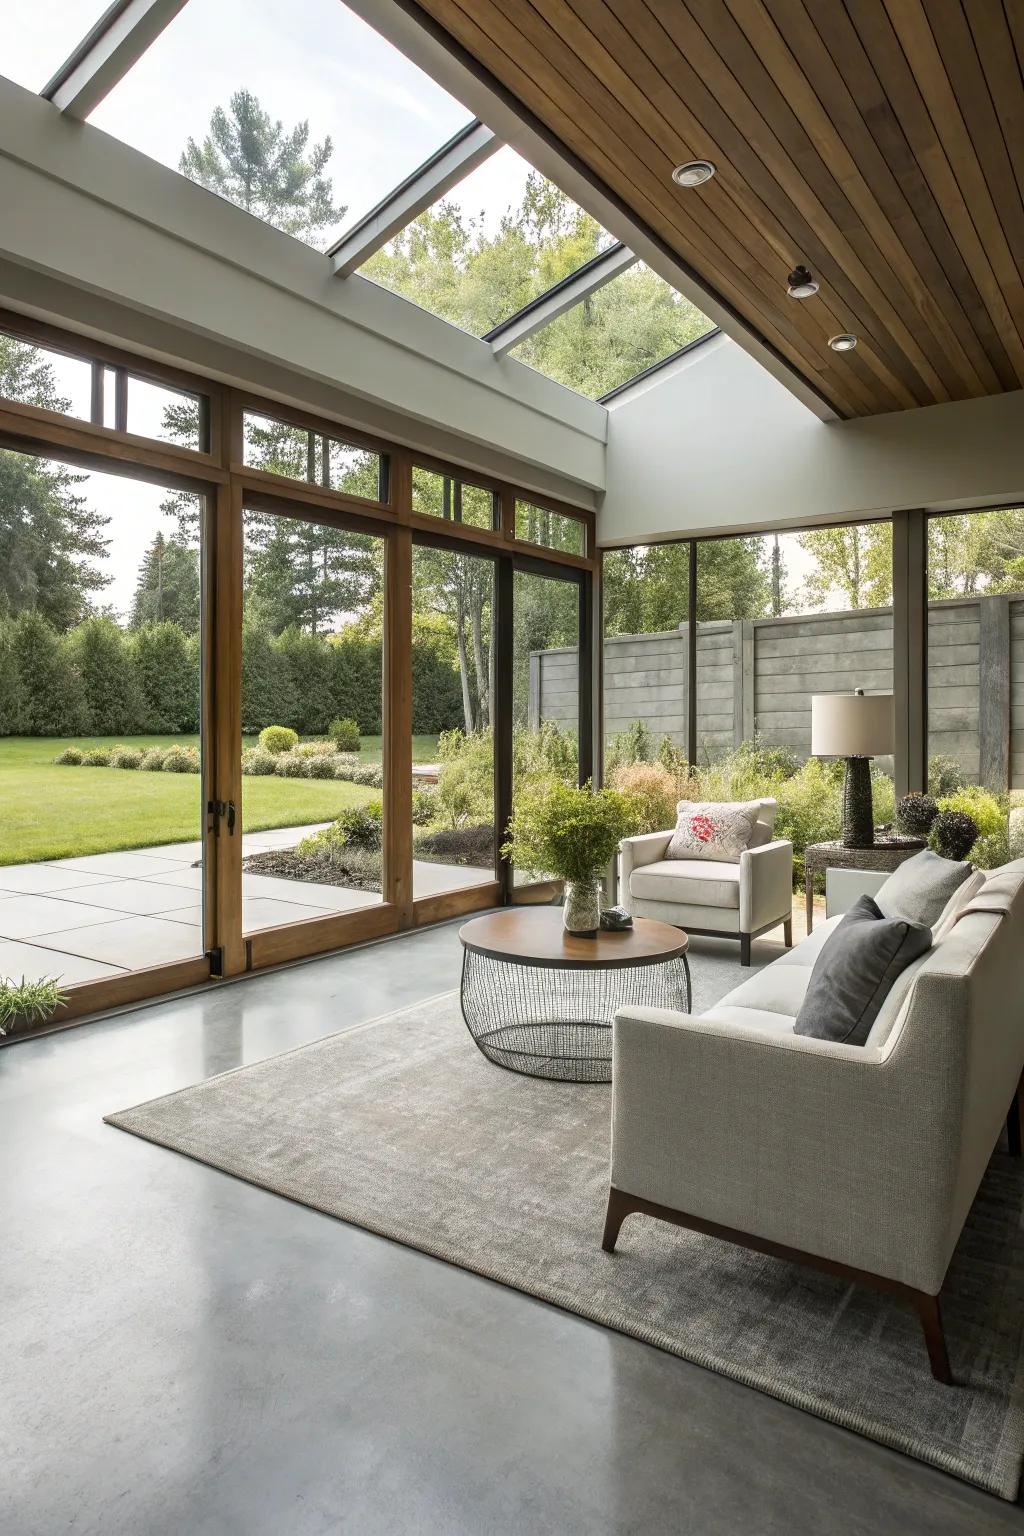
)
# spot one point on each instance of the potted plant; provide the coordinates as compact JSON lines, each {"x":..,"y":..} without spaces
{"x":570,"y":834}
{"x":24,"y":1003}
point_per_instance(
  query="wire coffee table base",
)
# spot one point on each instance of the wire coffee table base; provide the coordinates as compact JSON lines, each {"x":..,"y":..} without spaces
{"x":547,"y":1022}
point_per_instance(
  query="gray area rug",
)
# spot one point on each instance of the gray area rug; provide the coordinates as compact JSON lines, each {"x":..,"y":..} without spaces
{"x":403,"y":1128}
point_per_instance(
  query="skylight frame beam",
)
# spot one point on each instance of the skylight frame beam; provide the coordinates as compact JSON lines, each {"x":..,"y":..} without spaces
{"x":107,"y":52}
{"x":470,"y":147}
{"x":554,"y":301}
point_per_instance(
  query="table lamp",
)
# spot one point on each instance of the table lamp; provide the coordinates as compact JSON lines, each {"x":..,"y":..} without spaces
{"x":857,"y":726}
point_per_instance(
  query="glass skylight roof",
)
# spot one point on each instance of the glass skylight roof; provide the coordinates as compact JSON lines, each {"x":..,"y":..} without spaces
{"x":302,"y":114}
{"x":497,"y":240}
{"x":632,"y":323}
{"x":303,"y":61}
{"x":36,"y":38}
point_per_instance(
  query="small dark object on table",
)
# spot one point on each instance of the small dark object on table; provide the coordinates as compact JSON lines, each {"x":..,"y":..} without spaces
{"x":615,"y":919}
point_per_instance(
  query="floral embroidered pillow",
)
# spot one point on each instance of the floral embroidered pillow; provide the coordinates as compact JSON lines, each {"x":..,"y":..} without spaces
{"x":713,"y":829}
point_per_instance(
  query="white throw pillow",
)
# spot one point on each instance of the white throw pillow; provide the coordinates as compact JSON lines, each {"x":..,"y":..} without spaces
{"x":713,"y":829}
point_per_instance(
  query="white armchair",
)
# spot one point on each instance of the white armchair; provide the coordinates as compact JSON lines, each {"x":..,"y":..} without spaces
{"x":735,"y":900}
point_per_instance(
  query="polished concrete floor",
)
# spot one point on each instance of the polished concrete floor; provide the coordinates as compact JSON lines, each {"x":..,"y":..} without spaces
{"x":184,"y":1355}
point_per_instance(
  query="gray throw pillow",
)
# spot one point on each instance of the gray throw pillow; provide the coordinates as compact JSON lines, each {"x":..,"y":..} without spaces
{"x":920,"y":888}
{"x":852,"y":975}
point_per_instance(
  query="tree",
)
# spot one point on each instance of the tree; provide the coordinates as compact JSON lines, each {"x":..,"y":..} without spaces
{"x":163,"y":670}
{"x":51,"y":691}
{"x":458,"y":588}
{"x":853,"y":565}
{"x":252,"y":161}
{"x":111,"y":695}
{"x":49,"y":536}
{"x":976,"y":552}
{"x":10,"y":681}
{"x":167,"y":589}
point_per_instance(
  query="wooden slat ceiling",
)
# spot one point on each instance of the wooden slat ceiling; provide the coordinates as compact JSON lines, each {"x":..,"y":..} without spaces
{"x":881,"y":142}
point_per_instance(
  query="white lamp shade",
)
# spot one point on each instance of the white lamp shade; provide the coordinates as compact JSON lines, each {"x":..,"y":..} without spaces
{"x":852,"y":724}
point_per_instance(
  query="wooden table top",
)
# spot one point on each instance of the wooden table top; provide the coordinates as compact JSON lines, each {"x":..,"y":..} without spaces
{"x":536,"y":936}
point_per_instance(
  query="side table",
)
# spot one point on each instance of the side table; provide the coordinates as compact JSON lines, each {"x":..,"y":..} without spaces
{"x":885,"y":854}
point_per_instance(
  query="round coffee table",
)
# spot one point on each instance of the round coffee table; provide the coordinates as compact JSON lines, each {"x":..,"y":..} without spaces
{"x":541,"y":1001}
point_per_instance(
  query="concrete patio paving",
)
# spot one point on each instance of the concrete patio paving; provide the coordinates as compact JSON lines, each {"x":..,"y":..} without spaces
{"x":108,"y":913}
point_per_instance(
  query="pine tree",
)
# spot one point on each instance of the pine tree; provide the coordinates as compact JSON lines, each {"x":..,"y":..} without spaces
{"x":251,"y":160}
{"x":49,"y":536}
{"x":163,"y":671}
{"x":167,"y":589}
{"x":111,"y":694}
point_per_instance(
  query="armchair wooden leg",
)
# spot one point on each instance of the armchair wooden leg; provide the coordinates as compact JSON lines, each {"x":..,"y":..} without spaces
{"x":619,"y":1207}
{"x":934,"y":1336}
{"x":1013,"y":1131}
{"x":744,"y":949}
{"x":787,"y":933}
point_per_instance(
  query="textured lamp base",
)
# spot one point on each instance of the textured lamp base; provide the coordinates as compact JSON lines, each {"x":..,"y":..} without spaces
{"x":858,"y":812}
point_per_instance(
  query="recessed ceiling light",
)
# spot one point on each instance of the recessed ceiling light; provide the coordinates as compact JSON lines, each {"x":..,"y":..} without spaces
{"x":801,"y":284}
{"x":693,"y":174}
{"x":843,"y":343}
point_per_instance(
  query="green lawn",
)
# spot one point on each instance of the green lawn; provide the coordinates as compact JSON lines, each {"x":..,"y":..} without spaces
{"x":51,"y":812}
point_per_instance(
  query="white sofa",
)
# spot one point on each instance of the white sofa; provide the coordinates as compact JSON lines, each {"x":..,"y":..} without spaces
{"x":735,"y":900}
{"x":862,"y":1160}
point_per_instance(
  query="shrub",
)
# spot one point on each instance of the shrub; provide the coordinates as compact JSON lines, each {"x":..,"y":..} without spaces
{"x":167,"y":677}
{"x":314,"y":749}
{"x":651,"y":790}
{"x":71,"y":756}
{"x":990,"y":850}
{"x":126,"y":757}
{"x":945,"y":776}
{"x":97,"y":757}
{"x":49,"y":687}
{"x":257,"y":762}
{"x":181,"y":760}
{"x":915,"y":813}
{"x":633,"y":745}
{"x":370,"y":774}
{"x":344,"y":734}
{"x":153,"y":759}
{"x":423,"y":811}
{"x":767,"y":764}
{"x":982,"y":807}
{"x":288,"y":766}
{"x":1015,"y":833}
{"x":359,"y":826}
{"x":319,"y":767}
{"x":110,"y":688}
{"x":278,"y":738}
{"x":673,"y":758}
{"x":953,"y":834}
{"x":460,"y":845}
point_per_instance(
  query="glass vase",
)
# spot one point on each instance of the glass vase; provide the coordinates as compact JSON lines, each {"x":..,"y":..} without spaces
{"x":581,"y":907}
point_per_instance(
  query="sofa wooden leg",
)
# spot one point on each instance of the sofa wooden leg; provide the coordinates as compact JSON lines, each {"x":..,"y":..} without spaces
{"x":1013,"y":1136}
{"x":787,"y":933}
{"x":929,"y":1312}
{"x":744,"y":949}
{"x":619,"y":1207}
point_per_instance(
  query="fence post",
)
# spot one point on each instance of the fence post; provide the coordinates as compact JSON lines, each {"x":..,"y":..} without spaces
{"x":994,"y":707}
{"x":534,"y":704}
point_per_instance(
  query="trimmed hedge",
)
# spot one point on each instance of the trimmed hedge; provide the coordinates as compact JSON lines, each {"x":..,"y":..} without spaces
{"x":100,"y":680}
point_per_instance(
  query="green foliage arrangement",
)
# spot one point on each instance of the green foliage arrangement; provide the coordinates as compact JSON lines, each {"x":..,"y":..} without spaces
{"x":633,"y":745}
{"x":96,"y":757}
{"x":278,"y":738}
{"x":315,"y":749}
{"x":953,"y":834}
{"x":288,"y":766}
{"x":29,"y":1002}
{"x":71,"y":756}
{"x":359,"y":826}
{"x":126,"y":757}
{"x":990,"y":850}
{"x":915,"y":814}
{"x":153,"y":759}
{"x":344,"y":733}
{"x":567,"y":832}
{"x":319,"y":766}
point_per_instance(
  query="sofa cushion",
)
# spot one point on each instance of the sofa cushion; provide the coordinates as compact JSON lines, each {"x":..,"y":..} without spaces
{"x":698,"y":882}
{"x":729,"y":1016}
{"x":921,"y":887}
{"x":855,"y":971}
{"x":713,"y":829}
{"x":779,"y":988}
{"x":960,"y":899}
